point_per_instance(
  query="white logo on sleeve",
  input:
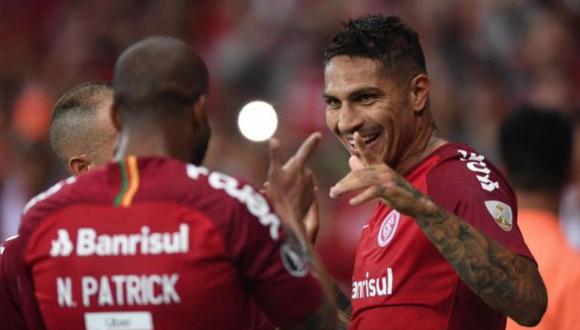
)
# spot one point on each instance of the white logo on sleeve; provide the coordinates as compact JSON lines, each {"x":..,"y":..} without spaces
{"x":388,"y":228}
{"x":501,"y":213}
{"x":476,"y":165}
{"x":61,"y":246}
{"x":294,"y":259}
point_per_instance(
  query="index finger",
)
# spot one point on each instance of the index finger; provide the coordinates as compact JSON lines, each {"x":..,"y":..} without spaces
{"x":367,"y":156}
{"x":306,"y":149}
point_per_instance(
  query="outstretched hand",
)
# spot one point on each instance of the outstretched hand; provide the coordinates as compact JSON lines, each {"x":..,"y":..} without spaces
{"x":293,"y":183}
{"x":375,"y":179}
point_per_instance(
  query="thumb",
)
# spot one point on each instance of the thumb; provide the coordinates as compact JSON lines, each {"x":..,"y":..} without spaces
{"x":355,"y":163}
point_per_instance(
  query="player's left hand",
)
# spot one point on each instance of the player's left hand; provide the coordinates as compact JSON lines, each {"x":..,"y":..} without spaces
{"x":375,"y":179}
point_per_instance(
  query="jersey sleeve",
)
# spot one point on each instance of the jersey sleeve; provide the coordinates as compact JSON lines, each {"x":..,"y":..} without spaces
{"x":273,"y":265}
{"x":18,"y":309}
{"x":474,"y":190}
{"x":10,"y":306}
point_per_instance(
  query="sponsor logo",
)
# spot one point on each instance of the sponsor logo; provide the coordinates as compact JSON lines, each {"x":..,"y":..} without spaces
{"x":119,"y":321}
{"x":388,"y":228}
{"x":61,"y":246}
{"x":373,"y":286}
{"x":476,"y":165}
{"x":501,"y":213}
{"x":247,"y":195}
{"x":145,"y":242}
{"x":119,"y":290}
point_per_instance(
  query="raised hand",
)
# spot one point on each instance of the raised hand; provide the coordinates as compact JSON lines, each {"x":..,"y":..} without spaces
{"x":375,"y":179}
{"x":293,"y":180}
{"x":312,"y":219}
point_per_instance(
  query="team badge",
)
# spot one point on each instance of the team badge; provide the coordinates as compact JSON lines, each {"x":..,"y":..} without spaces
{"x":501,"y":213}
{"x":388,"y":228}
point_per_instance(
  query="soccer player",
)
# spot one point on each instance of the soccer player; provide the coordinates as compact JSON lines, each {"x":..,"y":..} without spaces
{"x":83,"y":137}
{"x":536,"y":148}
{"x":442,"y":249}
{"x":152,"y":242}
{"x":82,"y":132}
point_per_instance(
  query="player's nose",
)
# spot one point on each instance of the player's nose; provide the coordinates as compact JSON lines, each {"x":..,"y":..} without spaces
{"x":349,"y":120}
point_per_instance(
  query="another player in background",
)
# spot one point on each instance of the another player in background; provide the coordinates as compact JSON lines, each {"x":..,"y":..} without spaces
{"x":83,"y":137}
{"x":81,"y":131}
{"x":156,"y":243}
{"x":536,"y":148}
{"x":443,"y":249}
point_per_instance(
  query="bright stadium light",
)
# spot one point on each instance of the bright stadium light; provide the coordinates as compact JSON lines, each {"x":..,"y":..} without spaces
{"x":258,"y":121}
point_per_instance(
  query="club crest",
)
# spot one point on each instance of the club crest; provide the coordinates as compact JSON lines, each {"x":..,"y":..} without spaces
{"x":388,"y":228}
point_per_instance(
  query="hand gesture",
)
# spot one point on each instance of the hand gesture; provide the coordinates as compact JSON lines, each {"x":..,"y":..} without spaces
{"x":375,"y":179}
{"x":293,"y":181}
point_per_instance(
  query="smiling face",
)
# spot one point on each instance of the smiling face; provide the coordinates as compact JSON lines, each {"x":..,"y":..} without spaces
{"x":361,"y":96}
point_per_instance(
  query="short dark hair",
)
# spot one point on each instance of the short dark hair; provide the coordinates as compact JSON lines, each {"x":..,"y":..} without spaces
{"x":384,"y":38}
{"x":536,"y":147}
{"x":71,"y":110}
{"x":160,"y":74}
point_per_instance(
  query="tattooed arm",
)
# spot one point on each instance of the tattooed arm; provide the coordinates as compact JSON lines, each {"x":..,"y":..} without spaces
{"x":291,"y":190}
{"x":323,"y":317}
{"x":506,"y":281}
{"x":344,"y":308}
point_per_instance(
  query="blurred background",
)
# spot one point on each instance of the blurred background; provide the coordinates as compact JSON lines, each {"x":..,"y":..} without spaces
{"x":484,"y":58}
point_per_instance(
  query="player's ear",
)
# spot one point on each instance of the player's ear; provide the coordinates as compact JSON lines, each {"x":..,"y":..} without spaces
{"x":116,"y":117}
{"x":419,"y":90}
{"x":79,"y":164}
{"x":199,"y":114}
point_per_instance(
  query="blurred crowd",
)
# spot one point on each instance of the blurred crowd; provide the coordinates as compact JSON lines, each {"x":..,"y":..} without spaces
{"x":484,"y":57}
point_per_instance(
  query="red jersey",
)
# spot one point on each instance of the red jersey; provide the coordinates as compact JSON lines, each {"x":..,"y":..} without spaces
{"x":153,"y":243}
{"x":401,"y":280}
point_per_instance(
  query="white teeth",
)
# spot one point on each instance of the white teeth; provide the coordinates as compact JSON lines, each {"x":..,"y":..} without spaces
{"x":365,"y":140}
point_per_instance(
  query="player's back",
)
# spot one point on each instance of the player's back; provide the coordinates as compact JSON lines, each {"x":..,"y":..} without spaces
{"x":148,"y":243}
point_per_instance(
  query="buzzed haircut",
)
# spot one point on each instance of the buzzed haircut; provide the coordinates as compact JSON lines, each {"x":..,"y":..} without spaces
{"x":158,"y":74}
{"x":384,"y":38}
{"x":536,"y":148}
{"x":71,"y":114}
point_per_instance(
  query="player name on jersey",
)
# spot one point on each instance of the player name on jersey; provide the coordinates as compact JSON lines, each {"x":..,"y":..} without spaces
{"x":120,"y":290}
{"x":89,"y":242}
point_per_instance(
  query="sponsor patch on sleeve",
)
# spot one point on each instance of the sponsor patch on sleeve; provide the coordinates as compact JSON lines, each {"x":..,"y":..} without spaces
{"x":501,"y":213}
{"x":294,"y":254}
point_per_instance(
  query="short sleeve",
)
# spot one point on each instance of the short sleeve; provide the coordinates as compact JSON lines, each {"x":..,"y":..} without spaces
{"x":473,"y":189}
{"x":10,"y":311}
{"x":273,"y":265}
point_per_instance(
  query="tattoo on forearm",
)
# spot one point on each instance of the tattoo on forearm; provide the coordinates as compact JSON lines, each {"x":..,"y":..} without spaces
{"x":502,"y":279}
{"x":498,"y":276}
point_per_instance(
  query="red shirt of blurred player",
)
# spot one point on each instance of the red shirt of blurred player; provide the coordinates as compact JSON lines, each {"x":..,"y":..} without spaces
{"x":155,"y":243}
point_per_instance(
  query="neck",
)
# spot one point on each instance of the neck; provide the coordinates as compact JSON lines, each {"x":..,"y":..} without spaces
{"x":426,"y":143}
{"x":539,"y":201}
{"x":154,"y":140}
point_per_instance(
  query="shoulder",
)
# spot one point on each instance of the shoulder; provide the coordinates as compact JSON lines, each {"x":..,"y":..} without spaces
{"x":227,"y":199}
{"x":97,"y":186}
{"x":49,"y":200}
{"x":462,"y":169}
